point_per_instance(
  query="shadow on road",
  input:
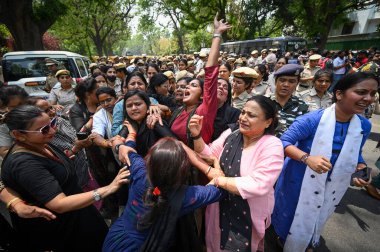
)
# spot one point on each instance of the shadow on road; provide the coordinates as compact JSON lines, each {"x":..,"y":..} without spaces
{"x":360,"y":199}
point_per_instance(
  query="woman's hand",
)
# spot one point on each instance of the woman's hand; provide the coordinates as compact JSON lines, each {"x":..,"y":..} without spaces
{"x":123,"y":154}
{"x":151,"y":120}
{"x":25,"y":211}
{"x":358,"y":181}
{"x":80,"y":144}
{"x":155,"y":110}
{"x":319,"y":164}
{"x":219,"y":26}
{"x":120,"y":179}
{"x":195,"y":125}
{"x":129,"y":126}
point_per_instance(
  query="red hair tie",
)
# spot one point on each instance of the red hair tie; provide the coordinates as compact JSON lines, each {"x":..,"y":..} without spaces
{"x":156,"y":191}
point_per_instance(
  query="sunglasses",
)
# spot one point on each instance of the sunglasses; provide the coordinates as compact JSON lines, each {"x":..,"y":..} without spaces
{"x":45,"y":129}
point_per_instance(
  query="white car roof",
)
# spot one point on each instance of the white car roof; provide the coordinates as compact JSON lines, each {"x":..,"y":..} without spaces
{"x":63,"y":54}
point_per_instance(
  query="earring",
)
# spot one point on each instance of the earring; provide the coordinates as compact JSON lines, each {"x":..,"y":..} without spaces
{"x":22,"y":139}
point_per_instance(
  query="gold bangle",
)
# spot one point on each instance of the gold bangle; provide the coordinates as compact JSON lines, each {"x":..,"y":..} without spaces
{"x":12,"y":201}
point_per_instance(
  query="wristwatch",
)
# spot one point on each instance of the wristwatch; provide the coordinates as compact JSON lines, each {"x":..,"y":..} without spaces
{"x":117,"y":147}
{"x":96,"y":195}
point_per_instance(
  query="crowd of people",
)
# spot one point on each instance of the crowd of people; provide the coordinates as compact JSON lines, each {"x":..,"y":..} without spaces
{"x":213,"y":152}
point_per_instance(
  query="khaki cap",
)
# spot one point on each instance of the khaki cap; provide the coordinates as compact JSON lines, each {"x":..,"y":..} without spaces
{"x":62,"y":72}
{"x":119,"y":66}
{"x":169,"y":74}
{"x":255,"y":52}
{"x":50,"y":62}
{"x":315,"y":57}
{"x":245,"y":72}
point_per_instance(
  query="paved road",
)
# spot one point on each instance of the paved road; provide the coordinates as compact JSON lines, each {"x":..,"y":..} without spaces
{"x":355,"y":225}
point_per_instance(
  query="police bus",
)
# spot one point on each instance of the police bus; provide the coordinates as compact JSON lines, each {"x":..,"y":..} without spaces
{"x":285,"y":44}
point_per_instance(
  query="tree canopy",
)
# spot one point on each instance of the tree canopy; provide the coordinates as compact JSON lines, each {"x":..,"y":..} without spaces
{"x":103,"y":27}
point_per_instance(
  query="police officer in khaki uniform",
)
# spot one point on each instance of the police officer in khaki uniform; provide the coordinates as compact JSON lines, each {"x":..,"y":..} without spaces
{"x":307,"y":76}
{"x":318,"y":97}
{"x":243,"y":79}
{"x":51,"y":80}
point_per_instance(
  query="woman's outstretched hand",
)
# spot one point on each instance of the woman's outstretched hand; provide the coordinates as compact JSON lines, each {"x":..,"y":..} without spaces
{"x":220,"y":26}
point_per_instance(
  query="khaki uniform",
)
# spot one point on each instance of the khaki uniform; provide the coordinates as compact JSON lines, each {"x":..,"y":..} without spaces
{"x":311,"y":98}
{"x":307,"y":72}
{"x":239,"y":102}
{"x":50,"y":82}
{"x":260,"y":89}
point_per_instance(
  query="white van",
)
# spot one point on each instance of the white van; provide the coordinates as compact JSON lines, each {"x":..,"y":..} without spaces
{"x":27,"y":69}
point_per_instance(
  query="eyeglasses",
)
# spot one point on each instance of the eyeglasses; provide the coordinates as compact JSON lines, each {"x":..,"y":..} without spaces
{"x":45,"y":129}
{"x":108,"y":100}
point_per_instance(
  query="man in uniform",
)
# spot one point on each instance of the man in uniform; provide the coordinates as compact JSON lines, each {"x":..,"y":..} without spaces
{"x":201,"y":62}
{"x":121,"y":73}
{"x":51,"y":80}
{"x":253,"y":59}
{"x":307,"y":76}
{"x":263,"y":55}
{"x":289,"y":106}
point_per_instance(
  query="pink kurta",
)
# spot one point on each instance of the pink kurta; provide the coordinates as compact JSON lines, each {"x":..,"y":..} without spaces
{"x":260,"y":167}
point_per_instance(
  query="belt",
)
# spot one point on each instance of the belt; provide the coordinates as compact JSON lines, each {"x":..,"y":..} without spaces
{"x":304,"y":86}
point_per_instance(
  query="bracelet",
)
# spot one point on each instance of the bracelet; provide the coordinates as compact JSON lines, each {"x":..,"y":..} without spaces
{"x":12,"y":201}
{"x":216,"y":35}
{"x":195,"y":137}
{"x":304,"y":158}
{"x":13,"y":206}
{"x":132,"y":134}
{"x":208,"y":170}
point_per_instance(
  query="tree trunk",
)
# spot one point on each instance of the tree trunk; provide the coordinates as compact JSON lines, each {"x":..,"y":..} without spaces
{"x":18,"y":17}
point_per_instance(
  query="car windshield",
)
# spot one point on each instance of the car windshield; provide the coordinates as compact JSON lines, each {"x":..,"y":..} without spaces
{"x":16,"y":69}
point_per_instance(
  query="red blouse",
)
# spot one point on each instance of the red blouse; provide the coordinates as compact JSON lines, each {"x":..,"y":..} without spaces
{"x":208,"y":108}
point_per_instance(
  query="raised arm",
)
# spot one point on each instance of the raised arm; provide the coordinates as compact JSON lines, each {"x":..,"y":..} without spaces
{"x":219,"y":28}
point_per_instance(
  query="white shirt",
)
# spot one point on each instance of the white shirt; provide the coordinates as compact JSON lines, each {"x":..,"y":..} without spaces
{"x":102,"y":123}
{"x":338,"y":62}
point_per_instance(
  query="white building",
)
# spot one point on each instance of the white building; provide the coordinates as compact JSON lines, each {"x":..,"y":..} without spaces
{"x":360,"y":32}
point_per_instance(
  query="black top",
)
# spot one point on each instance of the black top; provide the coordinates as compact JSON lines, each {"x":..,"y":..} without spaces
{"x":224,"y":116}
{"x":38,"y":180}
{"x":79,"y":115}
{"x":146,"y":137}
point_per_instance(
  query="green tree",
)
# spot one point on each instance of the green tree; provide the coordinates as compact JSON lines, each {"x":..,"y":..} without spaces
{"x":95,"y":24}
{"x":28,"y":20}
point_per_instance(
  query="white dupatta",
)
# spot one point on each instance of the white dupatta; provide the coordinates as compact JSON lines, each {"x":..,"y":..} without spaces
{"x":319,"y":196}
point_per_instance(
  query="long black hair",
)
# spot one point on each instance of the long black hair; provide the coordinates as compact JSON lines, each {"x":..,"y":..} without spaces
{"x":85,"y":87}
{"x":167,"y":166}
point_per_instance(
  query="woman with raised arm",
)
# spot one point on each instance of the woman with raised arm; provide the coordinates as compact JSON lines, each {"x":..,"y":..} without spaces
{"x":198,"y":98}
